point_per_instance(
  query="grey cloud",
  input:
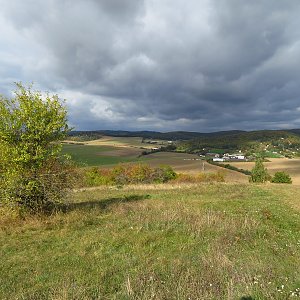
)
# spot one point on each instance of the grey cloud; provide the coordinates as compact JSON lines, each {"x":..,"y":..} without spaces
{"x":165,"y":65}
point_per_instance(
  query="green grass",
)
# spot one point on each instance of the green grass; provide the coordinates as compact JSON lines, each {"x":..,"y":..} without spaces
{"x":91,"y":155}
{"x":199,"y":242}
{"x":270,"y":154}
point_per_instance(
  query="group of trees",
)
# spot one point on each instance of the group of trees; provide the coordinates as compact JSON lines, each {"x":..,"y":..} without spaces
{"x":259,"y":174}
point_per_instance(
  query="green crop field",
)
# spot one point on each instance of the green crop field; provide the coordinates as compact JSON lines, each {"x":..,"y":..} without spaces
{"x":209,"y":241}
{"x":92,"y":155}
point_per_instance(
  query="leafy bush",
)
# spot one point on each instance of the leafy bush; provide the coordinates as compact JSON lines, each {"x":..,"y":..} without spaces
{"x":281,"y":177}
{"x":96,"y":176}
{"x":32,"y":173}
{"x":259,"y":173}
{"x":130,"y":174}
{"x":37,"y":190}
{"x":164,"y":174}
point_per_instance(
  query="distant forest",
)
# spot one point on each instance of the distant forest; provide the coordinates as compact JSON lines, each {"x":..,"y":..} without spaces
{"x":184,"y":135}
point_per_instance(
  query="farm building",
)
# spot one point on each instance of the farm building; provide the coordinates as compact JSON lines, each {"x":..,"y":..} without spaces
{"x":211,"y":154}
{"x":235,"y":156}
{"x":218,"y":159}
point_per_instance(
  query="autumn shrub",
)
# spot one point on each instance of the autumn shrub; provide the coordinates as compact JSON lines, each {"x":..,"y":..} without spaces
{"x":163,"y":174}
{"x":128,"y":174}
{"x":132,"y":174}
{"x":96,"y":176}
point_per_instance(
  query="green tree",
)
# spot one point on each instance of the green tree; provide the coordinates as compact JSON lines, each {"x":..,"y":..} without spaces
{"x":259,"y":173}
{"x":32,"y":174}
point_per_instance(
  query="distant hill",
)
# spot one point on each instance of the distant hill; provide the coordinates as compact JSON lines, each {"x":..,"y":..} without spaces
{"x":252,"y":141}
{"x":188,"y":135}
{"x":295,"y":131}
{"x":173,"y":135}
{"x":285,"y":142}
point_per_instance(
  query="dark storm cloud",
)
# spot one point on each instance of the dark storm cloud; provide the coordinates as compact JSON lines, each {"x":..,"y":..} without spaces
{"x":165,"y":65}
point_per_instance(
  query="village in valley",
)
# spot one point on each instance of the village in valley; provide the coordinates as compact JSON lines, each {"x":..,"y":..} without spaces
{"x":227,"y":157}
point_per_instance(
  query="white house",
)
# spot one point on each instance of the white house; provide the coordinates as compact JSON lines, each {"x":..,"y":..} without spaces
{"x":237,"y":156}
{"x":240,"y":156}
{"x":218,"y":159}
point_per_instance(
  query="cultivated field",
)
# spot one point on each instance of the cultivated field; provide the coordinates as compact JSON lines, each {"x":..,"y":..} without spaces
{"x":127,"y":142}
{"x":291,"y":166}
{"x":219,"y":241}
{"x":93,"y":155}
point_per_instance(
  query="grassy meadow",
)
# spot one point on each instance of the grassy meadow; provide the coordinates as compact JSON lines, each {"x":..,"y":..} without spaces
{"x":209,"y":241}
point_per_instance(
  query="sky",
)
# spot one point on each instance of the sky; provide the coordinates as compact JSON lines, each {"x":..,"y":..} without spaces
{"x":161,"y":65}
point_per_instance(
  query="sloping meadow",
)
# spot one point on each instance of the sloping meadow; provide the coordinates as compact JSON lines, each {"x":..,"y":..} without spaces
{"x":207,"y":241}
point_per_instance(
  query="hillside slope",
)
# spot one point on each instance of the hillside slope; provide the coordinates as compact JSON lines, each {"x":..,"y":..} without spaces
{"x":245,"y":141}
{"x":158,"y":242}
